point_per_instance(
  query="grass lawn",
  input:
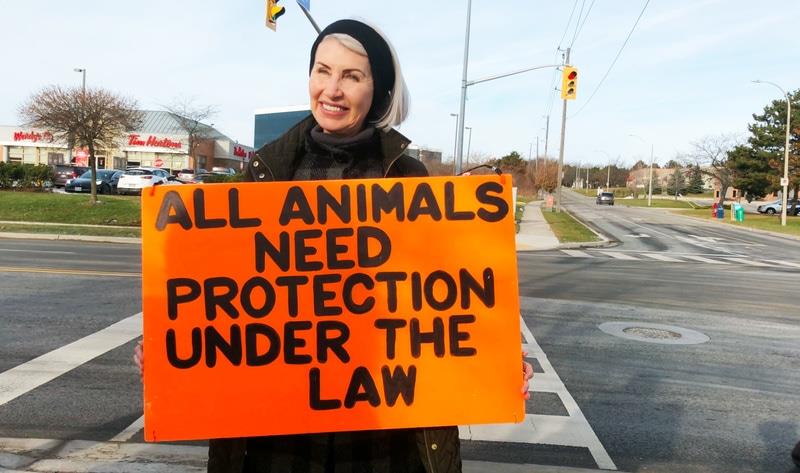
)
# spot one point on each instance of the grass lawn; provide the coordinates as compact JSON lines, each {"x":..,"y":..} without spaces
{"x":68,"y":208}
{"x":71,"y":230}
{"x":567,"y":229}
{"x":770,"y":223}
{"x":657,"y":203}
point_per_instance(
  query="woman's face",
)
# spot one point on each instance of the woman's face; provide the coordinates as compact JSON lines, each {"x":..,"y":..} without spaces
{"x":340,"y":89}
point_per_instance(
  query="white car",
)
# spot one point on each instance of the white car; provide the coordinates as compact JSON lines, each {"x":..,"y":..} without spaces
{"x":135,"y":179}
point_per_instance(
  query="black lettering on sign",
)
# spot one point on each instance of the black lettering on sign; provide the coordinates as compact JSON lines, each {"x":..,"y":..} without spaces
{"x":469,"y":285}
{"x":484,"y":195}
{"x":347,"y":293}
{"x":173,"y":298}
{"x":296,"y":207}
{"x":314,"y":394}
{"x":457,"y":336}
{"x":172,"y":349}
{"x":257,"y":282}
{"x":291,"y":343}
{"x":326,"y":200}
{"x":361,"y":202}
{"x":363,"y":237}
{"x":252,"y":332}
{"x":391,"y":278}
{"x":302,"y":251}
{"x":386,"y":202}
{"x":451,"y":291}
{"x":232,"y":350}
{"x":233,"y":210}
{"x":327,"y":341}
{"x":291,"y":283}
{"x":322,"y":295}
{"x":391,"y":326}
{"x":450,"y":211}
{"x":362,"y":388}
{"x":173,"y":210}
{"x":223,"y":300}
{"x":200,"y":212}
{"x":333,"y":249}
{"x":418,"y":337}
{"x":399,"y":383}
{"x":279,"y":256}
{"x":423,"y":202}
{"x":416,"y":291}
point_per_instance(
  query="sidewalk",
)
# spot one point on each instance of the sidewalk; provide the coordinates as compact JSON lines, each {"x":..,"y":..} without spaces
{"x":534,"y":231}
{"x":82,"y":456}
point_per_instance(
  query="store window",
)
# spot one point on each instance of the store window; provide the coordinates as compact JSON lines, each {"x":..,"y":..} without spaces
{"x":101,"y":162}
{"x":15,"y":154}
{"x":201,"y":161}
{"x":120,"y":163}
{"x":55,"y":158}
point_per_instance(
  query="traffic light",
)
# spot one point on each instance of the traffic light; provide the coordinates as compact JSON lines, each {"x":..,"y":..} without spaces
{"x":569,"y":83}
{"x":273,"y":13}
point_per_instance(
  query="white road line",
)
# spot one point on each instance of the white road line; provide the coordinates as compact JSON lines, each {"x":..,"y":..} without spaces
{"x":577,"y":253}
{"x":34,"y":373}
{"x":40,"y":251}
{"x":660,"y":257}
{"x":618,"y":255}
{"x":704,"y":260}
{"x":572,"y":430}
{"x":784,"y":263}
{"x":129,"y":431}
{"x":748,"y":262}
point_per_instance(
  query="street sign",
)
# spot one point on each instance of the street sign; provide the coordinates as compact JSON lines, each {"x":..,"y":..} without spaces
{"x":784,"y":181}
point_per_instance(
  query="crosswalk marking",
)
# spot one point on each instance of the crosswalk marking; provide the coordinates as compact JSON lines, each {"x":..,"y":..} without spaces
{"x":748,"y":262}
{"x":620,"y":255}
{"x":38,"y":371}
{"x":580,"y":253}
{"x":704,"y":260}
{"x":660,"y":257}
{"x":784,"y":263}
{"x":129,"y":431}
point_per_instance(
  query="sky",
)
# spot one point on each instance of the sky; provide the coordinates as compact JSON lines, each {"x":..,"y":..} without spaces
{"x":685,"y":73}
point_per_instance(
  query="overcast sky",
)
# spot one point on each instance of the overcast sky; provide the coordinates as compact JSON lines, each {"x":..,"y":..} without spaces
{"x":684,"y":74}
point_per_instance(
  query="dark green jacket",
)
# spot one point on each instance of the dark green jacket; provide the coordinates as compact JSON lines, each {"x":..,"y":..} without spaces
{"x":439,"y":448}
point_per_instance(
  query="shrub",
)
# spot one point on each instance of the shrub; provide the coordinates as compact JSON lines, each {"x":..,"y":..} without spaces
{"x":25,"y":176}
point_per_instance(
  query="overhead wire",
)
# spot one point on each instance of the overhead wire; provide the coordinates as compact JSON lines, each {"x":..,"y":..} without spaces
{"x":577,"y":23}
{"x":551,"y":95}
{"x":578,"y":32}
{"x":630,"y":33}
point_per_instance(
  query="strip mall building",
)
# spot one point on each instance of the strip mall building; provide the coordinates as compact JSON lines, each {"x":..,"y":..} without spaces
{"x":159,"y":142}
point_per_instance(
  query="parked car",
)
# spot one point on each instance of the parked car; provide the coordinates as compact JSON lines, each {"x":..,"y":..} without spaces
{"x":605,"y":198}
{"x":772,"y":208}
{"x":135,"y":179}
{"x":107,"y":180}
{"x":186,"y":175}
{"x":64,"y":172}
{"x":221,"y":170}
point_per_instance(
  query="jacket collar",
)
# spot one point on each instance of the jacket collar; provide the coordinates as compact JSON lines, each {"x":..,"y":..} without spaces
{"x":278,"y":159}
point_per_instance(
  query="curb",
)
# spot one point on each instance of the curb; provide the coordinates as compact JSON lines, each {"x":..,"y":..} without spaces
{"x":605,"y":241}
{"x":750,"y":229}
{"x":52,"y":236}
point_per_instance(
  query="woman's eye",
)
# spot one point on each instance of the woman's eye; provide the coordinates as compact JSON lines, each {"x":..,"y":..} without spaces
{"x":353,"y":77}
{"x":322,"y":71}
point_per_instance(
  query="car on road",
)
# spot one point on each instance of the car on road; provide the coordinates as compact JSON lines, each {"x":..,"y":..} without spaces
{"x":606,"y":198}
{"x":134,"y":180}
{"x":107,"y":180}
{"x":772,"y":208}
{"x":63,"y":172}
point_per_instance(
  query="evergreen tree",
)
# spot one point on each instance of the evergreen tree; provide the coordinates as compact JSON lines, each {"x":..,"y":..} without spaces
{"x":752,"y":171}
{"x":695,"y":185}
{"x":677,"y":181}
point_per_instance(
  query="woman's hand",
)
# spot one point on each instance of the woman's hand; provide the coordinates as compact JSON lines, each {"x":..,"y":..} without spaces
{"x":527,"y":374}
{"x":138,"y":358}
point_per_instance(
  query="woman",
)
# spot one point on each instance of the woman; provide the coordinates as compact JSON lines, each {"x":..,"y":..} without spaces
{"x":357,"y":95}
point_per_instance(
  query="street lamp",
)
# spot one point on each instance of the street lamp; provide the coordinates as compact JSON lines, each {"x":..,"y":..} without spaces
{"x":608,"y":175}
{"x":455,"y":142}
{"x":785,"y":179}
{"x":469,"y":141}
{"x":650,"y":190}
{"x":83,"y":81}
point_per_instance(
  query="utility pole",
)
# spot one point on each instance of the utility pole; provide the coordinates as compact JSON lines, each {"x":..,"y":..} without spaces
{"x":546,"y":134}
{"x":785,"y":178}
{"x":537,"y":154}
{"x":650,"y":191}
{"x":460,"y":134}
{"x":561,"y":148}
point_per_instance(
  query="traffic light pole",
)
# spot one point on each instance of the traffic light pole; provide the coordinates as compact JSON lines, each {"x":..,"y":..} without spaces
{"x":559,"y":178}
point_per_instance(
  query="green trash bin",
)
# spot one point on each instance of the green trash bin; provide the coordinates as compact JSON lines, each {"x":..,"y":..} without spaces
{"x":739,"y":213}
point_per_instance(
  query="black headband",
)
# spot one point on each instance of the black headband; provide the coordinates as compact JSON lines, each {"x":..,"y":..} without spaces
{"x":378,"y":54}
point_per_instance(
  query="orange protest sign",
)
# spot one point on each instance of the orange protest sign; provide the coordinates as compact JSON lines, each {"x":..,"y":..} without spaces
{"x":300,"y":307}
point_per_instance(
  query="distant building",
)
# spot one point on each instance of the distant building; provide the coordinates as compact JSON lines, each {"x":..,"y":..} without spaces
{"x":159,"y":142}
{"x":270,"y":123}
{"x":426,"y":155}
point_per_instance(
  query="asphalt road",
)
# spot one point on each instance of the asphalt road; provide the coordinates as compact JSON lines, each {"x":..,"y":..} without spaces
{"x":729,"y":404}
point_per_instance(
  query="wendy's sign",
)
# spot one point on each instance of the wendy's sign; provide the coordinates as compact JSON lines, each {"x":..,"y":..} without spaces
{"x":298,"y":307}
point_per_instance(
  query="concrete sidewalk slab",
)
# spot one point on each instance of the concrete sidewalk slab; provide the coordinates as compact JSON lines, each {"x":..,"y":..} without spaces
{"x":534,"y":231}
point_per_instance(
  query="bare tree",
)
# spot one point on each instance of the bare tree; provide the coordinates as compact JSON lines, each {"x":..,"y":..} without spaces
{"x":94,"y":118}
{"x":711,"y":155}
{"x":190,"y":118}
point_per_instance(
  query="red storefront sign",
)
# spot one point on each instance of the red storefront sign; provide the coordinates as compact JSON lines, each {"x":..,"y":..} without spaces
{"x":34,"y":136}
{"x":154,"y":142}
{"x":239,"y":151}
{"x":80,"y":157}
{"x":158,"y":162}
